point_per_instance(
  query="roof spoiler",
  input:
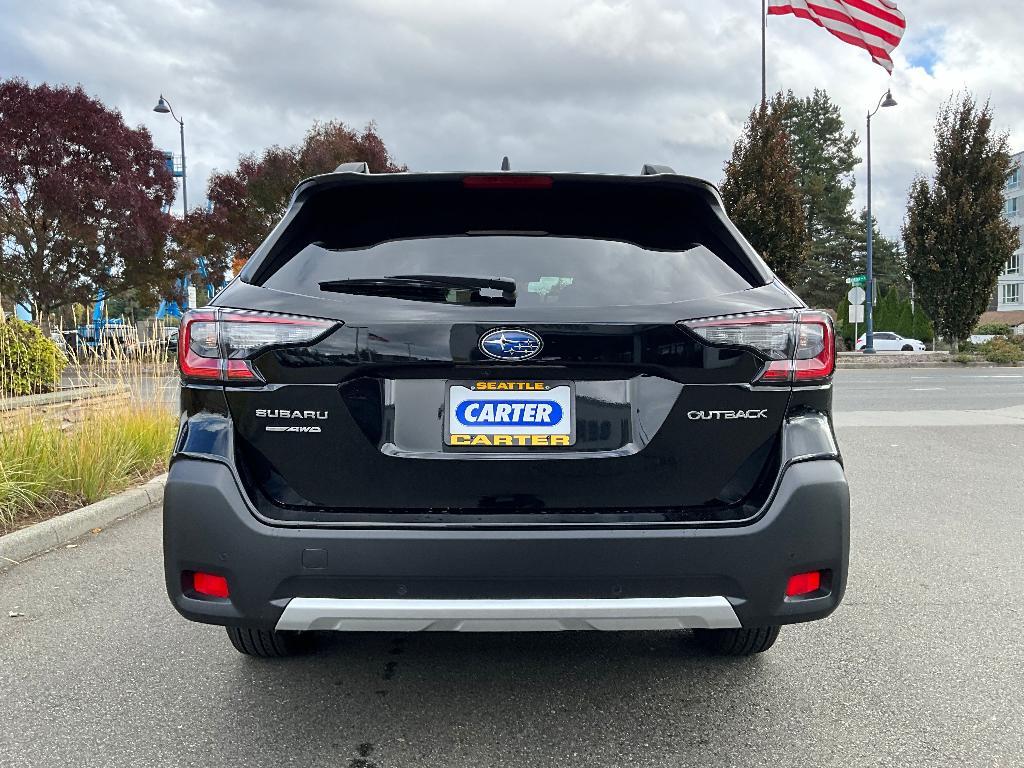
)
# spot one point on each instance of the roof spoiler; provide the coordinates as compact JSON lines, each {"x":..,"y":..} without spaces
{"x":653,"y":170}
{"x":360,"y":167}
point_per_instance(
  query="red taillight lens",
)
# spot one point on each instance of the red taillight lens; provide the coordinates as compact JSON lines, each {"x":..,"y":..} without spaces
{"x":815,"y":347}
{"x":803,"y":584}
{"x":506,"y":181}
{"x":210,"y":585}
{"x":797,"y":345}
{"x":216,"y":344}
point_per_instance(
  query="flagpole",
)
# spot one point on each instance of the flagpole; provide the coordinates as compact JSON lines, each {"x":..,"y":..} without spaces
{"x":764,"y":28}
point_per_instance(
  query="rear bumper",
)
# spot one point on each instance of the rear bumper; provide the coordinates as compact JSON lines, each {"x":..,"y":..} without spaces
{"x":480,"y":579}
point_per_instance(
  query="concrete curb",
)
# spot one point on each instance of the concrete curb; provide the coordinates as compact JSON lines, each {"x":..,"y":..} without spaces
{"x":36,"y":539}
{"x":70,"y":395}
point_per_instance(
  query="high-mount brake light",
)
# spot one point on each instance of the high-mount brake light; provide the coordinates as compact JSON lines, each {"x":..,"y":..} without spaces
{"x":797,"y":345}
{"x":507,"y":181}
{"x":218,"y":344}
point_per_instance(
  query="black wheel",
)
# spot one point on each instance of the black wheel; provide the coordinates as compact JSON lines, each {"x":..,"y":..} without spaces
{"x":745,"y":641}
{"x":907,"y":348}
{"x":267,"y":643}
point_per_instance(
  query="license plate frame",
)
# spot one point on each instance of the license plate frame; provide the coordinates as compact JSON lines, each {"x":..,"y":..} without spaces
{"x":521,"y":437}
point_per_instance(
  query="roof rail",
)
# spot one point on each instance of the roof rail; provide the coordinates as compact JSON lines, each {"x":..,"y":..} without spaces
{"x":652,"y":170}
{"x":359,"y":167}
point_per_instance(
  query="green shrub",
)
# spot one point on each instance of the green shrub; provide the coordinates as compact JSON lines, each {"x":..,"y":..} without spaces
{"x":1016,"y":340}
{"x":29,"y":362}
{"x":992,"y":329}
{"x":963,"y":358}
{"x":1002,"y":350}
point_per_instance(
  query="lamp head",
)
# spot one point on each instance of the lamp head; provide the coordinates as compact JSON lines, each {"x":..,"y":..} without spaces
{"x":889,"y":101}
{"x":161,"y":106}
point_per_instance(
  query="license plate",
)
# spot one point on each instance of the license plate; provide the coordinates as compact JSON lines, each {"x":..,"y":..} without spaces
{"x":510,"y":414}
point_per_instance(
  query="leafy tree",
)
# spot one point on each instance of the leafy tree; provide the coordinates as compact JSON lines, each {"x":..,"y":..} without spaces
{"x":762,"y":193}
{"x":956,"y":237}
{"x":81,"y":198}
{"x":824,"y":153}
{"x":246,"y":203}
{"x":135,"y":303}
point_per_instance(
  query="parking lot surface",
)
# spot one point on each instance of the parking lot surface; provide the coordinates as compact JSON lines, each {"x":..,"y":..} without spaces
{"x":922,"y":665}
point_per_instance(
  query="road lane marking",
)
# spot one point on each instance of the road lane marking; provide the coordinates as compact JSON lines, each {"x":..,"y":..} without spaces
{"x":931,"y":418}
{"x":927,"y":389}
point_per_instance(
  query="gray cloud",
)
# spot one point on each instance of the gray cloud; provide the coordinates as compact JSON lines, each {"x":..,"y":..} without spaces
{"x":586,"y":85}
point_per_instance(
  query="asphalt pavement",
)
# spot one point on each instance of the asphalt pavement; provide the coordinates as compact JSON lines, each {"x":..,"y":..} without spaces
{"x":922,"y":665}
{"x":918,"y":389}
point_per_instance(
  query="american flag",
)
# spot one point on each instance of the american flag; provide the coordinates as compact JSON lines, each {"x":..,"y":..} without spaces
{"x":874,"y":25}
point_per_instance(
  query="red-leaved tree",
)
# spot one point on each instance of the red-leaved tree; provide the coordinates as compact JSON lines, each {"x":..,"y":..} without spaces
{"x":246,"y":203}
{"x":81,"y":199}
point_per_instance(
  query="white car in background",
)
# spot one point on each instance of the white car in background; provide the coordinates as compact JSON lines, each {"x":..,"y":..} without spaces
{"x":886,"y":341}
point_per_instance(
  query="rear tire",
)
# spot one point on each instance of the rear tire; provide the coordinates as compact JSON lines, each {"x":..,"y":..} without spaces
{"x":745,"y":641}
{"x":907,"y":348}
{"x":267,"y":643}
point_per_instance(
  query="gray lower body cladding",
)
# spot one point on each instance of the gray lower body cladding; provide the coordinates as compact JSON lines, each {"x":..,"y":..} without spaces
{"x":209,"y":527}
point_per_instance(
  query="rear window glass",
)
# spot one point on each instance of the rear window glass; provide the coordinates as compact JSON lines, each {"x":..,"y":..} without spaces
{"x":553,"y":271}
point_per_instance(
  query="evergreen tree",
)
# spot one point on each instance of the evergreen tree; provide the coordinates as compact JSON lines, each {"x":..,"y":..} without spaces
{"x":888,"y":316}
{"x":761,"y":190}
{"x":824,"y":152}
{"x":905,"y":321}
{"x":889,"y":263}
{"x":922,"y":328}
{"x":956,"y":237}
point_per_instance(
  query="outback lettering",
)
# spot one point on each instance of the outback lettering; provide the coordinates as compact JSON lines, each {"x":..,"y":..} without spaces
{"x":751,"y":414}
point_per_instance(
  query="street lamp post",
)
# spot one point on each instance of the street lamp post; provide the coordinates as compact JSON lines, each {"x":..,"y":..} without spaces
{"x":164,"y":107}
{"x":869,"y":325}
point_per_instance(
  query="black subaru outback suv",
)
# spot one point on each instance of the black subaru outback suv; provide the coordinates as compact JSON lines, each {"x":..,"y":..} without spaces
{"x":469,"y":402}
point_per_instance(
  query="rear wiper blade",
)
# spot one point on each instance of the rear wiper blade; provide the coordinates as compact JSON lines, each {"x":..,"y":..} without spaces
{"x":451,"y":289}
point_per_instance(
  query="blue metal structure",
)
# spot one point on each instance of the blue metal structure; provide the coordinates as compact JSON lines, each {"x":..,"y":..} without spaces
{"x":174,"y":164}
{"x":172,"y":308}
{"x":94,"y":334}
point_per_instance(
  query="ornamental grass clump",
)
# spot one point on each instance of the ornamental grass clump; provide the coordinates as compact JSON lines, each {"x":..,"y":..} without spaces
{"x":45,"y":469}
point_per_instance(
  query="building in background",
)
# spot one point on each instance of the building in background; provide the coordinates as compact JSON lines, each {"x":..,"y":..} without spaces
{"x":1010,"y":288}
{"x":1007,"y":305}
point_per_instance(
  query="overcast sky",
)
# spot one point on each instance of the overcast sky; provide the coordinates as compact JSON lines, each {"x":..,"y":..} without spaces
{"x":556,"y":85}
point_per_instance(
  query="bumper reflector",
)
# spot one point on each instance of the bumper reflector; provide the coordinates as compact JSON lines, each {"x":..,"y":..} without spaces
{"x":803,"y":584}
{"x":210,"y":585}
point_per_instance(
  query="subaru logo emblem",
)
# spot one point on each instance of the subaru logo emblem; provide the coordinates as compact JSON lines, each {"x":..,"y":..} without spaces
{"x":510,"y":344}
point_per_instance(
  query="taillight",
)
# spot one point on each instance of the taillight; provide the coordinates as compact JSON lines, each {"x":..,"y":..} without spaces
{"x":796,"y":345}
{"x":218,"y":344}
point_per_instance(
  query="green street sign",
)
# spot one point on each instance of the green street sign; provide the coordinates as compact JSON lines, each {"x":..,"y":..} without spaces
{"x":860,"y":280}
